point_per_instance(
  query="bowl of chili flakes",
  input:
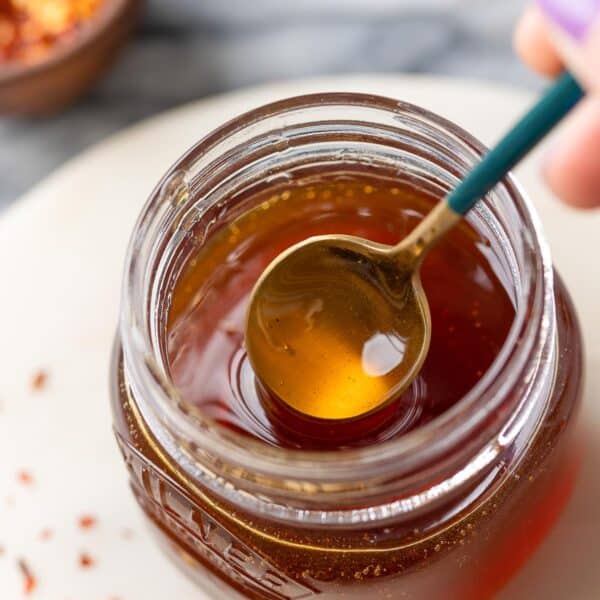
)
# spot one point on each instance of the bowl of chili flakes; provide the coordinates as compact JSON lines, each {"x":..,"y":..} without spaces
{"x":53,"y":51}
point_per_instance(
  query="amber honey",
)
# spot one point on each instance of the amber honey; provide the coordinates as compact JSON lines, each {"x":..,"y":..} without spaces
{"x":470,"y":309}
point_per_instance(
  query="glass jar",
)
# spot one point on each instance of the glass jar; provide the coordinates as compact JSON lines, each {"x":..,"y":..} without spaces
{"x":448,"y":510}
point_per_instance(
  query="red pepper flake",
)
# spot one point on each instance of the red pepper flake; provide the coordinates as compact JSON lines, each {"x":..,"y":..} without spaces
{"x":29,"y":581}
{"x":39,"y":380}
{"x":46,"y":534}
{"x":86,"y":561}
{"x":30,"y":29}
{"x":87,"y":522}
{"x":25,"y":477}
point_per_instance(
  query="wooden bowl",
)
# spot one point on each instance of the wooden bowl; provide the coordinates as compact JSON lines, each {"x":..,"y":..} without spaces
{"x":45,"y":87}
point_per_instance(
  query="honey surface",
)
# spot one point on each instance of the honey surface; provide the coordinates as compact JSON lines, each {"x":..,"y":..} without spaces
{"x":470,"y":310}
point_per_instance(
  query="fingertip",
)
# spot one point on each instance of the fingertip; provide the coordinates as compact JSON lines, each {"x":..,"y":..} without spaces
{"x":533,"y":44}
{"x":572,"y":168}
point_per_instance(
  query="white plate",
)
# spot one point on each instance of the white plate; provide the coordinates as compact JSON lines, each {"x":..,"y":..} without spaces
{"x":61,"y":252}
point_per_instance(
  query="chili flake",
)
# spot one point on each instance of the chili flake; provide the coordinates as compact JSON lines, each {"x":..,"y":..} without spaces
{"x":25,"y":478}
{"x":86,"y":561}
{"x":30,"y":28}
{"x":46,"y":534}
{"x":38,"y":381}
{"x":29,"y":581}
{"x":87,"y":522}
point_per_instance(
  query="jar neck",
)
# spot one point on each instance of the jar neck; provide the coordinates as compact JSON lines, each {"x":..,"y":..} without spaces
{"x":453,"y":457}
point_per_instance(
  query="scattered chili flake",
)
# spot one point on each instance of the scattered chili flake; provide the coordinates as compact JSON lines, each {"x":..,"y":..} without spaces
{"x":39,"y":380}
{"x":29,"y":581}
{"x":46,"y":534}
{"x":87,"y":522}
{"x":25,"y":477}
{"x":86,"y":561}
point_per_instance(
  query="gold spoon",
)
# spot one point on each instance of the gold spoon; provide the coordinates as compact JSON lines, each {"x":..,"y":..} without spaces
{"x":338,"y":326}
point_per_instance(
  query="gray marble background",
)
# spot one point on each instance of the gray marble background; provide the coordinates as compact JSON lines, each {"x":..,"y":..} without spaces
{"x":187,"y":49}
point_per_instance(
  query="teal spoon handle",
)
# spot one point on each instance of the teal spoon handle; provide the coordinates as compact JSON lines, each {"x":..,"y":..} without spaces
{"x":531,"y":129}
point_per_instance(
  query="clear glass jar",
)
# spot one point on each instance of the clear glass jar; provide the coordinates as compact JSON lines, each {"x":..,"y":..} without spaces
{"x":448,"y":510}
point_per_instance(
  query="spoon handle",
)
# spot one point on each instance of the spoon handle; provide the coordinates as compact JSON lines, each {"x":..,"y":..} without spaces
{"x":523,"y":137}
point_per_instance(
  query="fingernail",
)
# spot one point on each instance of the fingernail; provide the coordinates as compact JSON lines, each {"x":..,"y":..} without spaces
{"x":574,"y":17}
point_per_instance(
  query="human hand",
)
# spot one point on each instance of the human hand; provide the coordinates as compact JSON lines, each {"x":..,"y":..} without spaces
{"x":551,"y":36}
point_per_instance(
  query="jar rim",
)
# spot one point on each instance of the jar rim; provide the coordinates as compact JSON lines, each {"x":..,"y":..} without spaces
{"x":480,"y":405}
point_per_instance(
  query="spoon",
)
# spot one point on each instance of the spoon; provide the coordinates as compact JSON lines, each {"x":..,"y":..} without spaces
{"x":338,"y":326}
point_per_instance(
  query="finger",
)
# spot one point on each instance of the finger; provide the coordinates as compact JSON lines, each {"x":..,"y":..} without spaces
{"x":532,"y":41}
{"x":574,"y":27}
{"x":572,"y":167}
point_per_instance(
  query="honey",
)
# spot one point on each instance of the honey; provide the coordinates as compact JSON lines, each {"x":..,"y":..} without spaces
{"x":470,"y":309}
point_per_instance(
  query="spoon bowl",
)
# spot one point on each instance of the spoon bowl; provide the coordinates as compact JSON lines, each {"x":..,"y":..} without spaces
{"x":341,"y":326}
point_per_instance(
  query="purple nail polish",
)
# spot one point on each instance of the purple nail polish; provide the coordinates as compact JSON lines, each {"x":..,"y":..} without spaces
{"x":574,"y":17}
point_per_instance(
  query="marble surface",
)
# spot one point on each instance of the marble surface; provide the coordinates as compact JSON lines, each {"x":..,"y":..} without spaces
{"x":187,"y":49}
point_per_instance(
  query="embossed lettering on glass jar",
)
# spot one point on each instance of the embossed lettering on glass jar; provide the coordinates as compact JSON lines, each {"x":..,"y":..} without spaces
{"x":448,"y":510}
